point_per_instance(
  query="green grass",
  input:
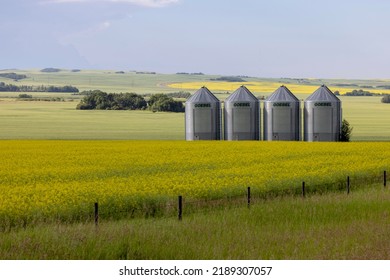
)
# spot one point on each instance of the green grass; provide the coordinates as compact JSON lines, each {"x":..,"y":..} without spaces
{"x":331,"y":226}
{"x":369,"y":117}
{"x":60,"y":120}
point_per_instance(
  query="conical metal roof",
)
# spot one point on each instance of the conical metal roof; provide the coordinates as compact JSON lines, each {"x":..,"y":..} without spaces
{"x":282,"y":94}
{"x":203,"y":95}
{"x":241,"y":94}
{"x":323,"y":93}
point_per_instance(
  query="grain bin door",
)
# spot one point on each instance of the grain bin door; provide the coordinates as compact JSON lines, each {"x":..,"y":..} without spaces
{"x":323,"y":120}
{"x":242,"y":120}
{"x":281,"y":120}
{"x":203,"y":122}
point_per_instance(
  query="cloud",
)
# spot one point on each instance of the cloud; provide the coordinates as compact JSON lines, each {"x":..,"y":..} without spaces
{"x":143,"y":3}
{"x":105,"y":25}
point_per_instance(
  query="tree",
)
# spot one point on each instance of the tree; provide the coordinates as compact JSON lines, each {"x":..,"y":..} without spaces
{"x":24,"y":95}
{"x":163,"y":103}
{"x":229,"y":79}
{"x":112,"y":101}
{"x":386,"y":99}
{"x":90,"y":101}
{"x":128,"y":101}
{"x":346,"y":131}
{"x":13,"y":76}
{"x":50,"y":70}
{"x":62,"y":89}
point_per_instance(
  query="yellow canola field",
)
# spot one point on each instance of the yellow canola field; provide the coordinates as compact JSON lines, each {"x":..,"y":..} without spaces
{"x":64,"y":178}
{"x":261,"y":87}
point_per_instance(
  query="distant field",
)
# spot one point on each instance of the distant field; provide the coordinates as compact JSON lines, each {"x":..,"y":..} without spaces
{"x":369,"y":117}
{"x":59,"y":120}
{"x":130,"y":81}
{"x":108,"y":81}
{"x":264,"y":87}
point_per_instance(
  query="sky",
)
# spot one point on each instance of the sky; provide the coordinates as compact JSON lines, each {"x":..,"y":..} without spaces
{"x":260,"y":38}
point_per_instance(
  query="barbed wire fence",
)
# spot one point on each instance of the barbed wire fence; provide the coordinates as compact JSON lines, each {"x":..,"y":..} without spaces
{"x":187,"y":205}
{"x":183,"y":206}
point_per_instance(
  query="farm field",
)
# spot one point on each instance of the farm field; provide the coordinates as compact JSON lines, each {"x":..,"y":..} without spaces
{"x":105,"y":80}
{"x":113,"y":81}
{"x":264,"y":87}
{"x":60,"y":120}
{"x":60,"y":180}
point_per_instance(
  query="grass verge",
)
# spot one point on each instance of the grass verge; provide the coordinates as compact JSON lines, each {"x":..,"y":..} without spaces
{"x":328,"y":226}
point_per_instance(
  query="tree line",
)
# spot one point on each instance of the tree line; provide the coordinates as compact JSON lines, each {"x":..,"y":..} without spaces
{"x":385,"y":98}
{"x":24,"y":88}
{"x":229,"y":79}
{"x":361,"y":92}
{"x":99,"y":100}
{"x":29,"y":97}
{"x":13,"y":76}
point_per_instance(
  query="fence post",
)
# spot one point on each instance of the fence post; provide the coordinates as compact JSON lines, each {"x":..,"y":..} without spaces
{"x":303,"y":189}
{"x":96,"y":214}
{"x":249,"y":197}
{"x":348,"y":185}
{"x":384,"y":178}
{"x":180,"y":208}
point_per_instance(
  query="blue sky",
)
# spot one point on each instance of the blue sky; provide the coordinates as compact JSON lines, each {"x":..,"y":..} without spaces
{"x":279,"y":38}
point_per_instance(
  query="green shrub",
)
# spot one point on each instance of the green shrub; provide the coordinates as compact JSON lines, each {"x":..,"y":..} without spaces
{"x":346,"y":131}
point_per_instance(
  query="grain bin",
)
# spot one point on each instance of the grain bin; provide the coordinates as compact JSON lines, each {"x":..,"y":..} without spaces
{"x":242,"y":116}
{"x":282,"y":116}
{"x":203,"y":116}
{"x":322,"y":116}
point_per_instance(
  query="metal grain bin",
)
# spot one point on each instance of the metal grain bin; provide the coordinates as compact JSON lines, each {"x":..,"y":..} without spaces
{"x":242,"y":116}
{"x":322,"y":116}
{"x":203,"y":116}
{"x":282,"y":116}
